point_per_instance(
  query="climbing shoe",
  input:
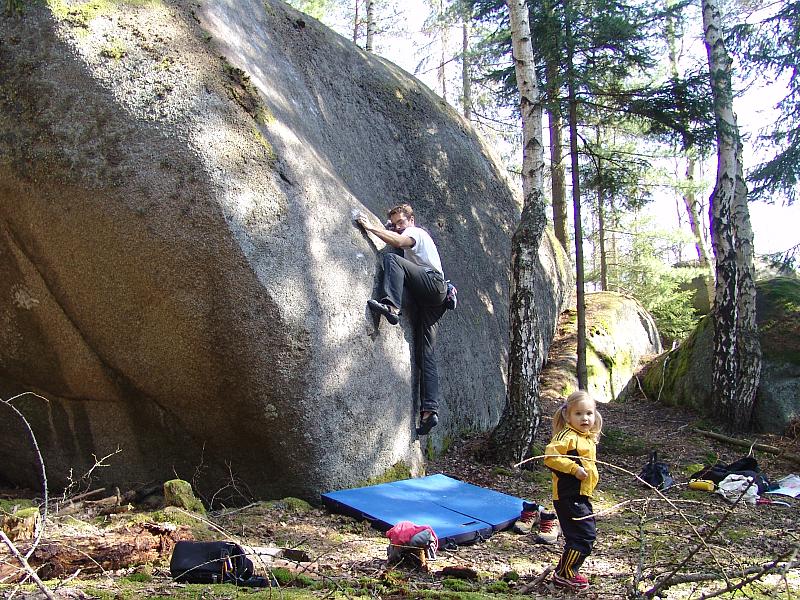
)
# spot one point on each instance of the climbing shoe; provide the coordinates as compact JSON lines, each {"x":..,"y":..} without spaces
{"x":383,"y":309}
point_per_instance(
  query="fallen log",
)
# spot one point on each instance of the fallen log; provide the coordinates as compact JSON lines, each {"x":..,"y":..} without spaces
{"x":99,"y":552}
{"x":749,"y":444}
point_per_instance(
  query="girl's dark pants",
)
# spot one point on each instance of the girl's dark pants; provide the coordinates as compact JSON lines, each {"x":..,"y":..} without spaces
{"x":427,"y":291}
{"x":579,"y":534}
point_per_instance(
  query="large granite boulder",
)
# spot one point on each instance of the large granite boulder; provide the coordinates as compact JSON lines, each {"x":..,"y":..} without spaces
{"x":620,"y":334}
{"x":181,"y":282}
{"x":682,"y":377}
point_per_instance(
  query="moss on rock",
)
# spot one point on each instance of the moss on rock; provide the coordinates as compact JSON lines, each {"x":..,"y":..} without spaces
{"x":397,"y":472}
{"x":682,"y":377}
{"x":178,"y":492}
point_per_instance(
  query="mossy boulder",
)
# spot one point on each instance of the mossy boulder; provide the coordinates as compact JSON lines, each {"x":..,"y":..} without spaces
{"x":620,"y":333}
{"x":682,"y":377}
{"x":178,"y":492}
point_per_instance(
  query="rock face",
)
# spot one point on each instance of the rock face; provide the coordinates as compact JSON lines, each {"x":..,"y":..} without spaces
{"x":686,"y":378}
{"x":620,"y":333}
{"x":180,"y":278}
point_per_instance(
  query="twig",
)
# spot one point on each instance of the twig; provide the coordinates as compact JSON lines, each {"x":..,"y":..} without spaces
{"x":637,"y":577}
{"x":641,"y":389}
{"x":87,"y":494}
{"x":535,"y":583}
{"x":749,"y":444}
{"x":26,"y":566}
{"x":760,"y":569}
{"x":43,"y":473}
{"x":748,"y":580}
{"x":668,"y":579}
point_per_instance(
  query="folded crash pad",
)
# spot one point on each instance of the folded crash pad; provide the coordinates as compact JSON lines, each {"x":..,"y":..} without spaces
{"x":458,"y":512}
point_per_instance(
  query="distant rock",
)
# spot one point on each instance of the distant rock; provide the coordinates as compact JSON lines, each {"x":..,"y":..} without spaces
{"x":180,"y":276}
{"x":620,"y":333}
{"x":686,"y":379}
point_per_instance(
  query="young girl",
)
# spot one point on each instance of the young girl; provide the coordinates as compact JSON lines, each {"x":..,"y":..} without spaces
{"x":570,"y":456}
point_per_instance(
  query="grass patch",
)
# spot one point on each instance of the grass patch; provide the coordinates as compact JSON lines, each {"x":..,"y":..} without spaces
{"x":538,"y":477}
{"x":15,"y":504}
{"x":285,"y":577}
{"x":114,"y":50}
{"x":617,"y":441}
{"x":505,"y":471}
{"x":456,"y":585}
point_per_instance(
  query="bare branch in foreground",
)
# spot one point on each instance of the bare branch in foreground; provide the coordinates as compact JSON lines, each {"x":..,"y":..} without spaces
{"x":26,"y":567}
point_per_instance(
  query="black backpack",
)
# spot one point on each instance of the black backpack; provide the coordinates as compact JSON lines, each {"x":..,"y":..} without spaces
{"x":747,"y":466}
{"x":656,"y":473}
{"x":212,"y":562}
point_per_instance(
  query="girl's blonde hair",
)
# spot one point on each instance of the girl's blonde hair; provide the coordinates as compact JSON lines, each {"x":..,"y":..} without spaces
{"x":560,"y":416}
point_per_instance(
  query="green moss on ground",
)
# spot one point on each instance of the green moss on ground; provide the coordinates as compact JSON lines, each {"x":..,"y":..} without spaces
{"x":623,"y":443}
{"x":16,"y":504}
{"x":397,"y":472}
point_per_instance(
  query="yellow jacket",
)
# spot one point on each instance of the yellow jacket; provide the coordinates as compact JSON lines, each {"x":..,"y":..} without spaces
{"x":572,"y":449}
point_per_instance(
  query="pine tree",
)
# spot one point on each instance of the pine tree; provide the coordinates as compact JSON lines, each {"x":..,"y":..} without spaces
{"x":771,"y":48}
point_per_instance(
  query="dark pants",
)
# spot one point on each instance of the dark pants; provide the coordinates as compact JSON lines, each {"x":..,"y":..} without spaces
{"x":579,"y":535}
{"x":426,"y":291}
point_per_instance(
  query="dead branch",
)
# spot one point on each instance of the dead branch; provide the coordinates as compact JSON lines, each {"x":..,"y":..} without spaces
{"x":667,"y":581}
{"x":747,"y":444}
{"x":758,"y":572}
{"x":39,"y":457}
{"x":87,"y":494}
{"x":757,"y":569}
{"x":535,"y":583}
{"x":637,"y":577}
{"x":26,"y":567}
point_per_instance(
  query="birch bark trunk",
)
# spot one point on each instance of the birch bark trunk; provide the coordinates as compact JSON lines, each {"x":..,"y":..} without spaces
{"x":737,"y":352}
{"x":512,"y":438}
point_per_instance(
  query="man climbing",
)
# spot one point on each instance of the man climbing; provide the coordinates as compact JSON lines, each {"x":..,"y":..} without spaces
{"x":419,"y":272}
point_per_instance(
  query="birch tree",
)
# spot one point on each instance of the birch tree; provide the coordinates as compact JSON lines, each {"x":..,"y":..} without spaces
{"x":514,"y":434}
{"x":737,"y":352}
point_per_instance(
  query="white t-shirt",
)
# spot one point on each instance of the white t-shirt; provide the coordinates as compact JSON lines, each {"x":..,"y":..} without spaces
{"x":423,"y":252}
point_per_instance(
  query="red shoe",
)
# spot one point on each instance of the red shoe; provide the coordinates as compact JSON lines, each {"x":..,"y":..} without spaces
{"x":576,"y":583}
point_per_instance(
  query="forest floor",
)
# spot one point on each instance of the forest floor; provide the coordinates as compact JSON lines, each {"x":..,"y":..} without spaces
{"x":641,"y":536}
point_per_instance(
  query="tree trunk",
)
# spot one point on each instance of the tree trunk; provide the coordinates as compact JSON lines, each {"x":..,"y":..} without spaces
{"x":441,"y":71}
{"x":370,"y":24}
{"x":512,"y":438}
{"x":355,"y":22}
{"x":689,"y":196}
{"x":466,"y":80}
{"x":737,"y":353}
{"x":556,"y":125}
{"x":601,"y":240}
{"x":690,"y":200}
{"x":557,"y":179}
{"x":580,"y":295}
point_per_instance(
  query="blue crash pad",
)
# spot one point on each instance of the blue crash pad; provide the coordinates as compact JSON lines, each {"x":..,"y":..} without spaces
{"x":458,"y":512}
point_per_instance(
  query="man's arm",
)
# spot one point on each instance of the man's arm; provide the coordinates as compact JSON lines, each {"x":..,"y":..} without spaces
{"x":394,"y":239}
